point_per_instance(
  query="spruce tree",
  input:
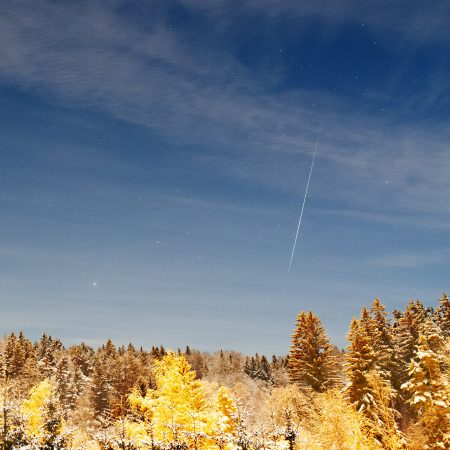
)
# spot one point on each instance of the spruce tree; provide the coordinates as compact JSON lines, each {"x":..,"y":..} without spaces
{"x":359,"y":361}
{"x":47,"y":351}
{"x":82,"y":357}
{"x":428,"y":390}
{"x":406,"y":334}
{"x":64,"y":385}
{"x":311,"y":358}
{"x":369,"y":369}
{"x":102,"y":378}
{"x":381,"y":333}
{"x":258,"y":368}
{"x":443,"y":313}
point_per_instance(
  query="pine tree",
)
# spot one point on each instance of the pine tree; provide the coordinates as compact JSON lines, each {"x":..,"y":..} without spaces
{"x":129,"y":372}
{"x":102,"y":378}
{"x":197,"y":363}
{"x":47,"y":353}
{"x":359,"y":361}
{"x":19,"y":362}
{"x":82,"y":357}
{"x":380,"y":331}
{"x":369,"y":369}
{"x":14,"y":357}
{"x":428,"y":389}
{"x":66,"y":390}
{"x":258,"y":368}
{"x":443,"y":313}
{"x":10,"y":417}
{"x":311,"y":358}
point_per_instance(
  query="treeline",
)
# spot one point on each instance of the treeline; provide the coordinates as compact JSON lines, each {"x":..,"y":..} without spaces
{"x":388,"y":390}
{"x":88,"y":388}
{"x":395,"y":372}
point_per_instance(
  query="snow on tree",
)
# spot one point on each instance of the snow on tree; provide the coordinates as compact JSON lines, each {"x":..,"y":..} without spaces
{"x":44,"y":426}
{"x":443,"y":313}
{"x":258,"y":368}
{"x":103,"y":377}
{"x":429,"y":391}
{"x":359,"y":361}
{"x":381,"y":334}
{"x":177,"y":413}
{"x":369,"y":371}
{"x":312,"y":361}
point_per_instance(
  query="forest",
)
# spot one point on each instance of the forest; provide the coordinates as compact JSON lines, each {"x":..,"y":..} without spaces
{"x":388,"y":389}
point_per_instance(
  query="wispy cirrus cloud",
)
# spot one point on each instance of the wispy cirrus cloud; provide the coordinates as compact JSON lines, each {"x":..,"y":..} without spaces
{"x":86,"y":54}
{"x":422,"y":22}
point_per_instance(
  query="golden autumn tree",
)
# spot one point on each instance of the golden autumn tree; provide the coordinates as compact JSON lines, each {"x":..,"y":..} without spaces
{"x":429,"y":396}
{"x":312,"y":361}
{"x":177,"y":413}
{"x":44,"y":426}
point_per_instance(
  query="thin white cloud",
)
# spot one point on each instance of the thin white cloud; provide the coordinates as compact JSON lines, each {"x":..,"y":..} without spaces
{"x":85,"y":53}
{"x":412,"y":20}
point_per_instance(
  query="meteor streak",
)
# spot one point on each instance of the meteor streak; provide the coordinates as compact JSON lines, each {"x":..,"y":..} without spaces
{"x":304,"y":198}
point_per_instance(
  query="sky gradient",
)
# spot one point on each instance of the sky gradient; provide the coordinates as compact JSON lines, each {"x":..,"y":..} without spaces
{"x":154,"y":158}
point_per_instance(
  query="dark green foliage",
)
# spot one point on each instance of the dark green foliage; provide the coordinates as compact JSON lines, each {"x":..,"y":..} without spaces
{"x":258,"y":368}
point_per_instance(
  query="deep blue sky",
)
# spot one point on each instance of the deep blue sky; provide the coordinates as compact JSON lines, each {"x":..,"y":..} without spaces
{"x":154,"y":157}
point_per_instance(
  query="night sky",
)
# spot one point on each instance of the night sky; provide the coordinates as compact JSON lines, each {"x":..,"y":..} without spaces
{"x":154,"y":158}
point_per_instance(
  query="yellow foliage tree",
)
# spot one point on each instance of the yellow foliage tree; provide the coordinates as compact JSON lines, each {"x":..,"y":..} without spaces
{"x":177,"y":413}
{"x":43,"y":426}
{"x":224,"y":419}
{"x":34,"y":408}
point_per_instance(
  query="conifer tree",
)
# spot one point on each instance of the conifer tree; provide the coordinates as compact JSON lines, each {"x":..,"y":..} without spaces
{"x":14,"y":357}
{"x":369,"y":372}
{"x":258,"y":368}
{"x":428,"y":389}
{"x":102,"y":379}
{"x":47,"y":353}
{"x":82,"y":357}
{"x":197,"y":363}
{"x":10,"y":433}
{"x":19,"y":363}
{"x":359,"y":361}
{"x":443,"y":313}
{"x":406,"y":335}
{"x":311,"y":358}
{"x":381,"y":334}
{"x":66,"y":390}
{"x":129,"y":372}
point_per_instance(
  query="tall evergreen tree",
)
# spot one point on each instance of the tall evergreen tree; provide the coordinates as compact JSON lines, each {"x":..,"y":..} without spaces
{"x":66,"y":391}
{"x":311,"y":358}
{"x":380,"y":331}
{"x":428,"y":389}
{"x":406,"y":334}
{"x":369,"y":369}
{"x":102,"y":379}
{"x":82,"y":357}
{"x":359,"y":361}
{"x":443,"y":313}
{"x":47,"y":353}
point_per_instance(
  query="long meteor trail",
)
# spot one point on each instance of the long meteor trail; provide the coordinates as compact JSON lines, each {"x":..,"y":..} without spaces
{"x":304,"y":198}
